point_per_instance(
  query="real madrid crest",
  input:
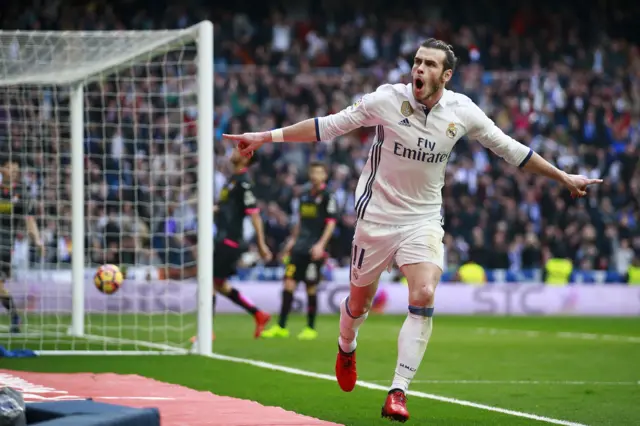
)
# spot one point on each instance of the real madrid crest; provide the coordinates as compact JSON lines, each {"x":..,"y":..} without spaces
{"x":406,"y":109}
{"x":452,"y":131}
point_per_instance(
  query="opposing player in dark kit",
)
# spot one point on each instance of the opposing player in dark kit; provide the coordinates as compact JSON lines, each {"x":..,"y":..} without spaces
{"x":235,"y":203}
{"x":16,"y":210}
{"x":306,"y":249}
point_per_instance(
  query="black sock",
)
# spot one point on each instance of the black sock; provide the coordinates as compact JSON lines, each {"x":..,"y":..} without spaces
{"x":235,"y":297}
{"x":287,"y":301}
{"x":7,"y":302}
{"x":213,"y":305}
{"x":312,"y":310}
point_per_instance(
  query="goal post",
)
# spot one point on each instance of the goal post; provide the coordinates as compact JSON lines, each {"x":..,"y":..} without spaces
{"x":113,"y":134}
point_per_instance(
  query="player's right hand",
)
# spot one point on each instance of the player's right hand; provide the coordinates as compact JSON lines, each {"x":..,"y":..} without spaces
{"x":265,"y":253}
{"x":249,"y":142}
{"x":577,"y":184}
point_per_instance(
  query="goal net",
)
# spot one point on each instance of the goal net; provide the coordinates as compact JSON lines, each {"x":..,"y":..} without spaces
{"x":106,"y":141}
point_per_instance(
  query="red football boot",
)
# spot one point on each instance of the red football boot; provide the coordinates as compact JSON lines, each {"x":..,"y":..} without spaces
{"x":346,"y":370}
{"x":395,"y":407}
{"x":262,"y":319}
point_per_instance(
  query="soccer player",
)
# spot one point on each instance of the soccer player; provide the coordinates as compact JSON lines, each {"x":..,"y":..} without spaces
{"x":399,"y":197}
{"x":306,"y":250}
{"x":237,"y":201}
{"x":15,"y":205}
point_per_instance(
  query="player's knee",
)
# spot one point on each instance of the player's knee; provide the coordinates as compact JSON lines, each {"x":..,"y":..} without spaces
{"x":358,"y":309}
{"x":289,"y":285}
{"x":358,"y":305}
{"x":422,"y":294}
{"x":312,"y":289}
{"x":219,"y":284}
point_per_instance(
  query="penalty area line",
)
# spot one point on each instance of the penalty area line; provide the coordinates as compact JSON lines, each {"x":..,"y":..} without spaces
{"x":374,"y":386}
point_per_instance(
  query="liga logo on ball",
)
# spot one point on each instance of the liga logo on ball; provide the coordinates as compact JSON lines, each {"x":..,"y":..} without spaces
{"x":108,"y":279}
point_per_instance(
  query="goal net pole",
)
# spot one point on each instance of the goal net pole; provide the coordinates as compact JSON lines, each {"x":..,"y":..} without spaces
{"x":205,"y":195}
{"x":205,"y":188}
{"x":76,"y":113}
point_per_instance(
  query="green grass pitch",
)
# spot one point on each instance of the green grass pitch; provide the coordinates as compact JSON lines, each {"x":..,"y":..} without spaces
{"x":583,"y":370}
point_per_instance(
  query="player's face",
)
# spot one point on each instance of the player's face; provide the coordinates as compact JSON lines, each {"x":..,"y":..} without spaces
{"x":11,"y":171}
{"x":317,"y":176}
{"x":428,"y":74}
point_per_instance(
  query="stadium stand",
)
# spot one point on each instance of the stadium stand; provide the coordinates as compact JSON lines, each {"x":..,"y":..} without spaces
{"x":540,"y":72}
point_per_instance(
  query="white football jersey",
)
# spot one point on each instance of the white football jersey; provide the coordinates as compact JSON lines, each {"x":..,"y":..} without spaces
{"x":402,"y":180}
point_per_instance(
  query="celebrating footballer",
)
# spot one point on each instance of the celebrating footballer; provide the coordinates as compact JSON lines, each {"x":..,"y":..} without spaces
{"x":399,"y":198}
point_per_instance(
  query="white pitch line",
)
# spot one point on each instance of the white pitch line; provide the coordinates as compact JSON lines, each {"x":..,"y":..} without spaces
{"x":369,"y":385}
{"x":562,"y":334}
{"x":518,"y":382}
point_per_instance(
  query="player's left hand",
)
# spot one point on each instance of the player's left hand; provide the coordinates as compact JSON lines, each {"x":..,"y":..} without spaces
{"x":249,"y":142}
{"x":577,"y":184}
{"x":317,"y":252}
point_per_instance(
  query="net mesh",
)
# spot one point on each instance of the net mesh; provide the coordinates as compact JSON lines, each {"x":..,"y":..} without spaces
{"x":140,"y":161}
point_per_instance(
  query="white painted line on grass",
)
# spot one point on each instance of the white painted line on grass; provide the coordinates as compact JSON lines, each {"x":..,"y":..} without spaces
{"x":562,"y":334}
{"x":518,"y":382}
{"x":369,"y":385}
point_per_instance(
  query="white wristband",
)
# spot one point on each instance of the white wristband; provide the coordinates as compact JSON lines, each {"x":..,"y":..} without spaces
{"x":277,"y":135}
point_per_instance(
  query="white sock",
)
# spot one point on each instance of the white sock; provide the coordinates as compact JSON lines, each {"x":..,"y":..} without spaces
{"x":412,"y":344}
{"x":349,"y":328}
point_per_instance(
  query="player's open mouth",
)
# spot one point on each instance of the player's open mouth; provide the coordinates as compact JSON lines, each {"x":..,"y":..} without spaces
{"x":419,"y":84}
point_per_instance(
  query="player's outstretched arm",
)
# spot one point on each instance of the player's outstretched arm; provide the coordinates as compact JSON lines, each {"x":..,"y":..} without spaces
{"x":304,"y":131}
{"x":364,"y":113}
{"x":576,"y":184}
{"x":483,"y":129}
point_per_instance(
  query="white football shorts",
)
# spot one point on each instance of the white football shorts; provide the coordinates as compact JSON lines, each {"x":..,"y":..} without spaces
{"x":375,"y":246}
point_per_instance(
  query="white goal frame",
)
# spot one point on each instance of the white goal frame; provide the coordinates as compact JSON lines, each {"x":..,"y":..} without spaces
{"x":76,"y":79}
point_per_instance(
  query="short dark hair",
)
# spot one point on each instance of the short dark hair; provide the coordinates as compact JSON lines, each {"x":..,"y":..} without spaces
{"x":450,"y":60}
{"x":253,"y":159}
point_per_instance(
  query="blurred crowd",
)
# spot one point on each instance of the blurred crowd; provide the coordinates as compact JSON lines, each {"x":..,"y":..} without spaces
{"x":544,"y":74}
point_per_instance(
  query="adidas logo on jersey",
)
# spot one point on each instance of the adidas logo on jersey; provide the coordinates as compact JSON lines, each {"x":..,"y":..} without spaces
{"x":405,"y":122}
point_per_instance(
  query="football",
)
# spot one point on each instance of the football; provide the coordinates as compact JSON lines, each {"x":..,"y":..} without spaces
{"x":108,"y":279}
